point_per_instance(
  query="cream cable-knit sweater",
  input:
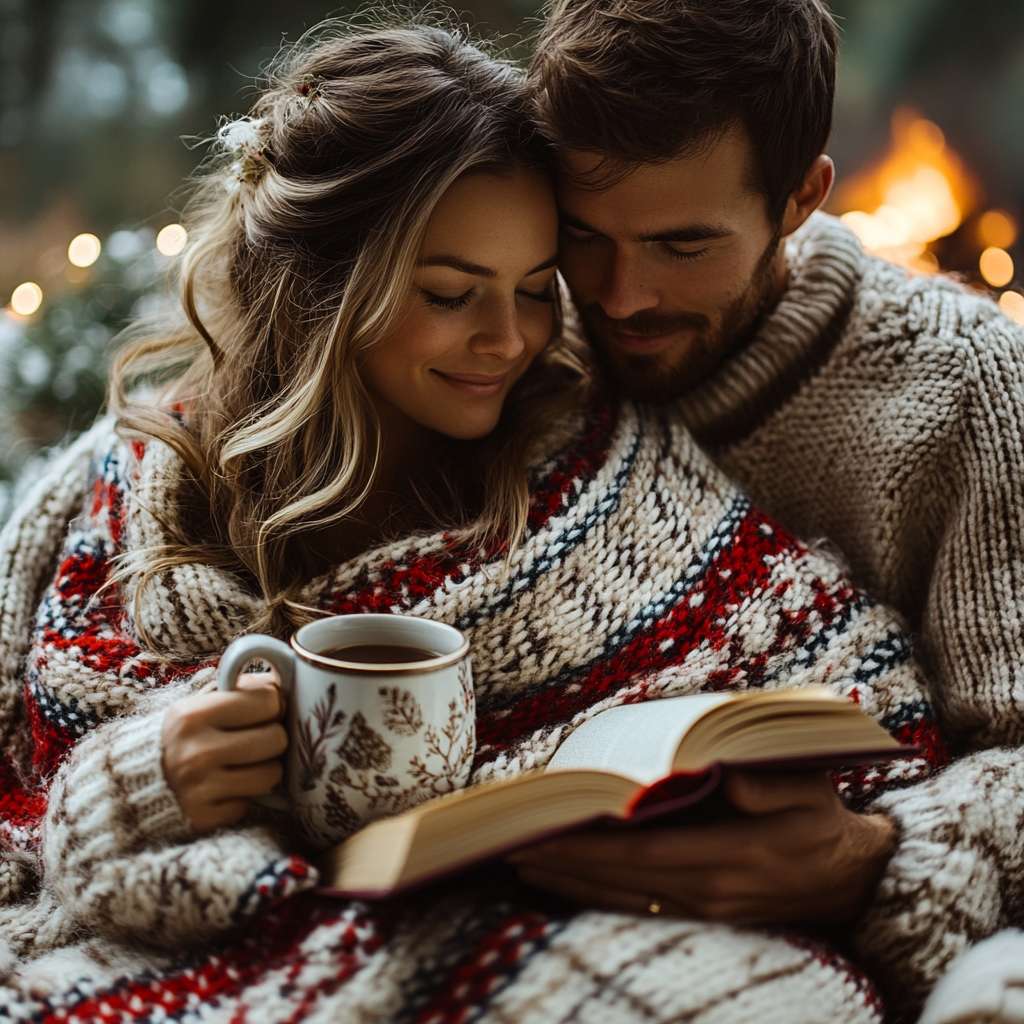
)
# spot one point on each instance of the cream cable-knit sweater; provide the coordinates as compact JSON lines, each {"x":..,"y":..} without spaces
{"x":644,"y":574}
{"x":885,"y":413}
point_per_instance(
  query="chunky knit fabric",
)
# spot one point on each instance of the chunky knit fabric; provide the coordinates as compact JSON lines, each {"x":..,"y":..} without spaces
{"x":644,"y":574}
{"x":886,"y":413}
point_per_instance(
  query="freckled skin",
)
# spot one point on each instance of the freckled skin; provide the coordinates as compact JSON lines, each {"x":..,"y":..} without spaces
{"x":482,"y":327}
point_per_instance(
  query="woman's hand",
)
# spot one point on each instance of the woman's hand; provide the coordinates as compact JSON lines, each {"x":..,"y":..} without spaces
{"x":219,"y":749}
{"x":797,"y":854}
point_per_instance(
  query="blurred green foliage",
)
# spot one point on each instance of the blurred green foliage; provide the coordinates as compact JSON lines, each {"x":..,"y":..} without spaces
{"x":54,"y":365}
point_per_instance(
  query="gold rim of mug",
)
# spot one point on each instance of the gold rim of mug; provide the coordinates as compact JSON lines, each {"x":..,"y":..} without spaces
{"x":396,"y":668}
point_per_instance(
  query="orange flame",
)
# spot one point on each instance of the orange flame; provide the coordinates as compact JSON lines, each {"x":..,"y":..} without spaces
{"x":919,"y":192}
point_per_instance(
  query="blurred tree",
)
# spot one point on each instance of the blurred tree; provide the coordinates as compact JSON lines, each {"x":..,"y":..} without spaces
{"x":95,"y":95}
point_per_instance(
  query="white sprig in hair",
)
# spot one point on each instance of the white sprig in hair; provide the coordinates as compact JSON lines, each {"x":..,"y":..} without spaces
{"x":245,"y":138}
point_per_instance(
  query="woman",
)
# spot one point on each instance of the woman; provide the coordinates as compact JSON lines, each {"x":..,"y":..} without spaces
{"x":372,"y":407}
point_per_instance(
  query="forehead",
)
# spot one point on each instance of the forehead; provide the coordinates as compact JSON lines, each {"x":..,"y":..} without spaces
{"x":710,"y":187}
{"x":484,"y":211}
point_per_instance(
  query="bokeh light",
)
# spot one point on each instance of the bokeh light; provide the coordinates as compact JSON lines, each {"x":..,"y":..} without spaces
{"x":997,"y":229}
{"x":996,"y":266}
{"x":918,"y":193}
{"x":171,"y":240}
{"x":1012,"y":304}
{"x":84,"y":250}
{"x":26,"y":298}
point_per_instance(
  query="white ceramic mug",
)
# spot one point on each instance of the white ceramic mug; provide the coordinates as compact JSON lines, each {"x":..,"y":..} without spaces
{"x":366,"y":740}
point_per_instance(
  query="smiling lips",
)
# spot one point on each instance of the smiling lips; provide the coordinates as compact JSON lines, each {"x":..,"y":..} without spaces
{"x":479,"y":385}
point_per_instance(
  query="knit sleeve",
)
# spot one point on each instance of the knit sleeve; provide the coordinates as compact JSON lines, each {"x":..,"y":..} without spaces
{"x":121,"y":860}
{"x":30,"y":543}
{"x":87,"y":808}
{"x":972,"y":625}
{"x":957,"y":872}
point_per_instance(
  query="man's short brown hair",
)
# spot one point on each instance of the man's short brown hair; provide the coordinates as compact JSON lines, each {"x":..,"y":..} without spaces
{"x":641,"y":81}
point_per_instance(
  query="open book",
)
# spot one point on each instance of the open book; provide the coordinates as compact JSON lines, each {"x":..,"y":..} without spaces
{"x":626,"y":765}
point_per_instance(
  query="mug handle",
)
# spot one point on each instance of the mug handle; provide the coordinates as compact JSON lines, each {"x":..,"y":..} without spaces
{"x":239,"y":654}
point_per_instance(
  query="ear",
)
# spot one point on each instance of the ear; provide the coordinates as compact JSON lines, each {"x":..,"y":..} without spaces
{"x":810,"y":195}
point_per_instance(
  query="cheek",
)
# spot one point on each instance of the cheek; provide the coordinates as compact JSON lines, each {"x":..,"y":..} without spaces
{"x":703,"y":286}
{"x":536,"y":329}
{"x":400,"y":355}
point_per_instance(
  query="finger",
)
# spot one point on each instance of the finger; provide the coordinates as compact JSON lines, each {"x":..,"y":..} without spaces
{"x":578,"y":890}
{"x":263,"y":680}
{"x":243,"y":747}
{"x":769,"y":794}
{"x":696,"y":887}
{"x":252,"y":780}
{"x":230,"y":784}
{"x":205,"y":817}
{"x":240,"y":709}
{"x":268,"y":675}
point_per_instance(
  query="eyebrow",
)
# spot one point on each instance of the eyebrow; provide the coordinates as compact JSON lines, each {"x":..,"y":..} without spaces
{"x":689,"y":233}
{"x":476,"y":270}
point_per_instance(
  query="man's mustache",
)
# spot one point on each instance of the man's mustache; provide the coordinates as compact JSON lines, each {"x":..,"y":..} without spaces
{"x":645,"y":324}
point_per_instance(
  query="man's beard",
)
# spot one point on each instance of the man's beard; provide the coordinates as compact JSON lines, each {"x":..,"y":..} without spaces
{"x":652,"y":378}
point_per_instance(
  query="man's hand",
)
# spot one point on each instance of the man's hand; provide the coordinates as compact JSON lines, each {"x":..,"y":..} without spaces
{"x":799,"y":856}
{"x":221,"y":748}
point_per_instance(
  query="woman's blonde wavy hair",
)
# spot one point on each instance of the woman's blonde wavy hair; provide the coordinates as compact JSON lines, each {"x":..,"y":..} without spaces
{"x":299,"y":259}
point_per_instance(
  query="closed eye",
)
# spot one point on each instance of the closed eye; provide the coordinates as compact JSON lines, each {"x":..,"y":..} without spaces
{"x":446,"y":302}
{"x":683,"y":254}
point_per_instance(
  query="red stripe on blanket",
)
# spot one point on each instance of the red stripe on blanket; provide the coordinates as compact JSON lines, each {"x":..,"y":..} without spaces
{"x":923,"y":732}
{"x":497,"y":954}
{"x":581,"y":461}
{"x":50,"y":743}
{"x":739,"y":572}
{"x":271,"y":943}
{"x":19,"y":807}
{"x":82,"y":575}
{"x":98,"y":653}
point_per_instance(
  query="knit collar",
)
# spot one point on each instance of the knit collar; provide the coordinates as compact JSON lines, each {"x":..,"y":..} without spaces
{"x":825,"y":264}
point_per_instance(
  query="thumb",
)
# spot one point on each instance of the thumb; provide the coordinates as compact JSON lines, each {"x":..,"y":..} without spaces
{"x":770,"y":794}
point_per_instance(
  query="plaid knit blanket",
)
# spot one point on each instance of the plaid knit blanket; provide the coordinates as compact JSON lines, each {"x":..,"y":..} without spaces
{"x":644,"y":574}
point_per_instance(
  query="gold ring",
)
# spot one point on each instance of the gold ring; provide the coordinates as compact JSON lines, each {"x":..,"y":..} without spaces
{"x":654,"y":906}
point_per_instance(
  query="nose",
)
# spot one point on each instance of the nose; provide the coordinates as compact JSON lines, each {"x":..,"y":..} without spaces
{"x":499,"y":335}
{"x":625,"y":289}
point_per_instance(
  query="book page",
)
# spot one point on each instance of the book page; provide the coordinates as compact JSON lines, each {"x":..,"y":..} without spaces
{"x":636,"y":740}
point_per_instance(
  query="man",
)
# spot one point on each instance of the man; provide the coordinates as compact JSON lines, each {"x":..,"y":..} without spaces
{"x":880,"y":412}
